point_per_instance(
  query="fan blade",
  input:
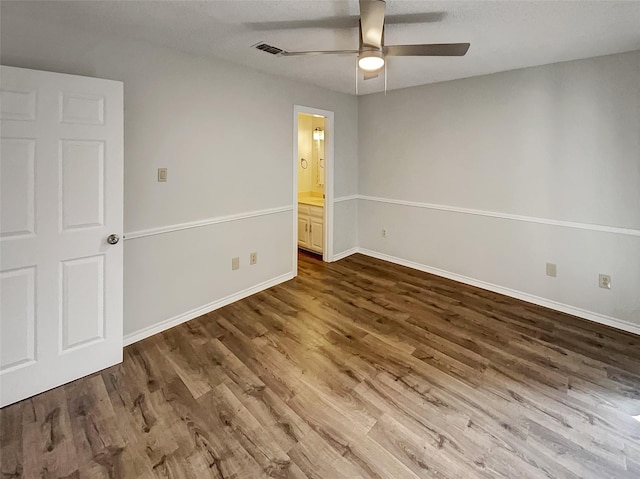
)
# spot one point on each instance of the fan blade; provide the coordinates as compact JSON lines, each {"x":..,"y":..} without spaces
{"x":327,"y":22}
{"x":344,"y":22}
{"x":371,"y":75}
{"x":372,"y":22}
{"x":427,"y":50}
{"x":319,"y":52}
{"x":412,"y":18}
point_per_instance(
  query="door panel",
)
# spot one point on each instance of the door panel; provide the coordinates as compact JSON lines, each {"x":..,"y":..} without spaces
{"x":17,"y":104}
{"x":83,"y":109}
{"x":82,"y":301}
{"x":17,"y":333}
{"x":62,"y":196}
{"x":82,"y":183}
{"x":17,"y":180}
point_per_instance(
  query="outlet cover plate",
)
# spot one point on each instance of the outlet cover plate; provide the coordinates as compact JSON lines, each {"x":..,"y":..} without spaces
{"x":253,"y":258}
{"x":235,"y":263}
{"x":604,"y":281}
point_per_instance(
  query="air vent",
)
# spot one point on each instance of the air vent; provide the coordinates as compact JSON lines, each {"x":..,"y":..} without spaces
{"x":268,"y":48}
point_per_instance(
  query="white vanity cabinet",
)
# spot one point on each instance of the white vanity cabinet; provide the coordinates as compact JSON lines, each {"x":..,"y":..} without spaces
{"x":310,"y":227}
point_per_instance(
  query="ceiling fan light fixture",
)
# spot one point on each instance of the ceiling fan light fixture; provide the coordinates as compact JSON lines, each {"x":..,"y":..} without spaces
{"x":371,"y":61}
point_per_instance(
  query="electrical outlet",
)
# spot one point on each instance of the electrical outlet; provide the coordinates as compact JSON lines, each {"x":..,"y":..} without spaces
{"x":384,"y":232}
{"x":551,"y":270}
{"x":162,"y":175}
{"x":235,"y":263}
{"x":604,"y":281}
{"x":253,"y":258}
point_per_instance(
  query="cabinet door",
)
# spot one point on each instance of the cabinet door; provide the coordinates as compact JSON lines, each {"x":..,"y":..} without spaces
{"x":303,"y":231}
{"x":317,"y":234}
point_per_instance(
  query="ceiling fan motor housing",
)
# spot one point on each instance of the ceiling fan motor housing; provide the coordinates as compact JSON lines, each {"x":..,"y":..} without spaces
{"x":371,"y":60}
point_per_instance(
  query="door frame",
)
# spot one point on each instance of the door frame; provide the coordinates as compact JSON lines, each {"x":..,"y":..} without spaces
{"x":327,"y":250}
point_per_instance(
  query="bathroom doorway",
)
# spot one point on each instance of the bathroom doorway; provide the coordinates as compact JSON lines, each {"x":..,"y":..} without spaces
{"x":313,"y":183}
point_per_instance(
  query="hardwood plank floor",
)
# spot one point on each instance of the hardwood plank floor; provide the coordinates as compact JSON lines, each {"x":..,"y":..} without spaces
{"x":355,"y":369}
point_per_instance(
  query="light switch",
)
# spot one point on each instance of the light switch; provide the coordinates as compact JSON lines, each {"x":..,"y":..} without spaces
{"x":162,"y":175}
{"x":551,"y":269}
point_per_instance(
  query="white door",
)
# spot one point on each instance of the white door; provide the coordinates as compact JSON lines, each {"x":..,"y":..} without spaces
{"x":61,"y":196}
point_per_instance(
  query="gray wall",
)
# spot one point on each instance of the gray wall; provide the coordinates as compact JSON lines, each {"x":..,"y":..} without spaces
{"x":484,"y":179}
{"x":492,"y":174}
{"x":226,"y":135}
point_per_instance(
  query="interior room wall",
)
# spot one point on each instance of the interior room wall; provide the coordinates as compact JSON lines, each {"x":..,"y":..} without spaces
{"x":487,"y":179}
{"x":483,"y":179}
{"x":229,"y":189}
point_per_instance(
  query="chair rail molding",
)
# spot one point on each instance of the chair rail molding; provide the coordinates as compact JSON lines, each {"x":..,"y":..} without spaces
{"x":507,"y":216}
{"x":206,"y":222}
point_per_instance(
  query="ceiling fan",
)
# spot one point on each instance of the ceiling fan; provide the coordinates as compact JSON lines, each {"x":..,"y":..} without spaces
{"x":372,"y":51}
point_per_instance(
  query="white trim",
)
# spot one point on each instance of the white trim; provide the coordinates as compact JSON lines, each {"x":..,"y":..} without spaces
{"x":207,"y":308}
{"x":344,"y":254}
{"x":507,"y":216}
{"x":345,"y":198}
{"x":327,"y":250}
{"x":207,"y":222}
{"x":530,"y":298}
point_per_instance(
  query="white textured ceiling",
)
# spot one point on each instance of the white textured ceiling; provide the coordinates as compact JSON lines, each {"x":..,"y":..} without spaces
{"x":504,"y":35}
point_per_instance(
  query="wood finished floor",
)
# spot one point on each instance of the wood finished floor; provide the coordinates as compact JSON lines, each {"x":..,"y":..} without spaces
{"x":354,"y":369}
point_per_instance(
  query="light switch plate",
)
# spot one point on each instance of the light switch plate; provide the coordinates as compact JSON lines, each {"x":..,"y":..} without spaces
{"x":235,"y":263}
{"x":551,"y":270}
{"x":162,"y":175}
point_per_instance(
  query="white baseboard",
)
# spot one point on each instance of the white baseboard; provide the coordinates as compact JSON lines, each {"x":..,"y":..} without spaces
{"x":565,"y":308}
{"x":344,"y":254}
{"x":529,"y":298}
{"x":207,"y":308}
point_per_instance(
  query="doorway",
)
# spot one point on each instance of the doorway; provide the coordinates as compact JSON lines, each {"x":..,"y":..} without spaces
{"x":312,"y":182}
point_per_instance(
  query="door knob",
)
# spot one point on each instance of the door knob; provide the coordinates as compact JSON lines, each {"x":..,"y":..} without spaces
{"x":113,"y":239}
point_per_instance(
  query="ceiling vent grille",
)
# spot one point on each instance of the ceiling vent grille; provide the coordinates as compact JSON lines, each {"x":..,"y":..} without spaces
{"x":268,"y":48}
